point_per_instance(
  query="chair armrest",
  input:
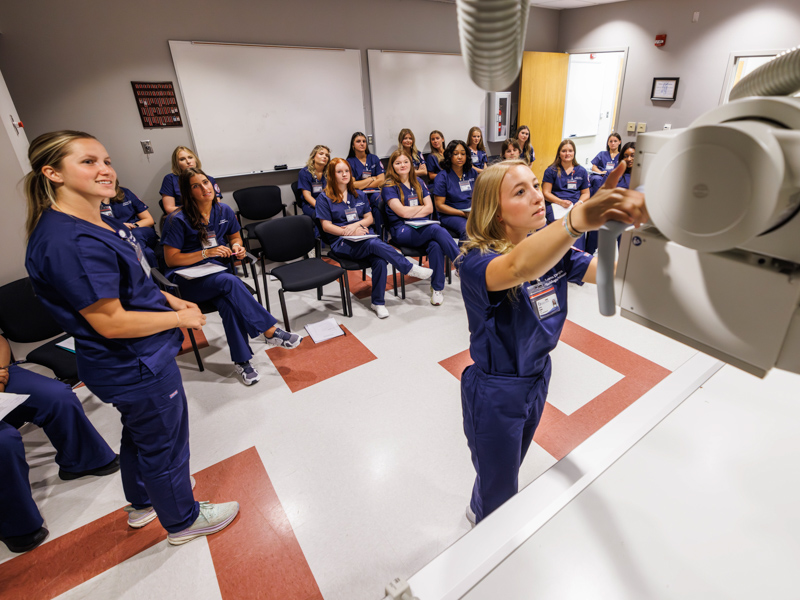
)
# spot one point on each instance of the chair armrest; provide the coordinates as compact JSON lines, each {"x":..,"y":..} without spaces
{"x":162,"y":281}
{"x":284,"y":209}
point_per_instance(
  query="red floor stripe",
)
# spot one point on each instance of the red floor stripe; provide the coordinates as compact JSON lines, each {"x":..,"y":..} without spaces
{"x":257,"y":556}
{"x":559,"y":433}
{"x":311,"y":363}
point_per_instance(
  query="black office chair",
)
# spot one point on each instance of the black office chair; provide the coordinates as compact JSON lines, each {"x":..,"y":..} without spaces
{"x":298,"y":198}
{"x":257,"y":204}
{"x":208,"y":306}
{"x":287,"y":239}
{"x":25,"y":320}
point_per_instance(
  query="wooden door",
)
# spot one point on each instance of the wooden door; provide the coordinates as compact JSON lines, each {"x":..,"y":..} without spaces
{"x":542,"y":96}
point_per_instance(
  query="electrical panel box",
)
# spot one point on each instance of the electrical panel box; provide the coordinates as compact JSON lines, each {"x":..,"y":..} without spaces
{"x":499,"y":118}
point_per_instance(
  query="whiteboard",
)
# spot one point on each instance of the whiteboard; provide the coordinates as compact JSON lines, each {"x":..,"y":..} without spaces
{"x":422,"y":92}
{"x":584,"y":97}
{"x":250,"y":108}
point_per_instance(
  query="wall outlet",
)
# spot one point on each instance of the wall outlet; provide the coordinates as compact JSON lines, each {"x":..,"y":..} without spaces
{"x":695,"y":16}
{"x":369,"y":140}
{"x":641,"y":128}
{"x":667,"y":125}
{"x":631,"y":127}
{"x":147,"y":147}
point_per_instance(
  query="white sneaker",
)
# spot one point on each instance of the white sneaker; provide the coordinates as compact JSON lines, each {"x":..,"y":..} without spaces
{"x":471,"y":515}
{"x":420,"y":272}
{"x":380,"y":310}
{"x":437,"y":297}
{"x":139,"y":517}
{"x":212,"y":518}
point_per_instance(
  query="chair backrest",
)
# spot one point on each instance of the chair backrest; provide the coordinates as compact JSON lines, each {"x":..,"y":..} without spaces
{"x":298,"y":194}
{"x":23,"y":317}
{"x":260,"y":202}
{"x":286,"y":239}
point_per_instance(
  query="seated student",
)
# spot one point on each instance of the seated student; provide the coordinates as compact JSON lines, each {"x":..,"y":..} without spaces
{"x":477,"y":149}
{"x":434,"y":159}
{"x":197,"y":234}
{"x":368,"y":173}
{"x":526,"y":151}
{"x":407,"y":199}
{"x":182,"y":158}
{"x":406,"y":141}
{"x":344,"y":211}
{"x":311,"y":179}
{"x":608,"y":159}
{"x":627,"y":155}
{"x":511,"y":149}
{"x":80,"y":449}
{"x":452,"y":191}
{"x":565,"y":182}
{"x":126,"y":207}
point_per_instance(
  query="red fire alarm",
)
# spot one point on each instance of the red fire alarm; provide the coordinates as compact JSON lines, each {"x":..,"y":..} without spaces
{"x":661,"y":40}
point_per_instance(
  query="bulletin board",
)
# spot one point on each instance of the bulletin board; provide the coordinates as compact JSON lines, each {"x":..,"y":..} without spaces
{"x":157,"y":104}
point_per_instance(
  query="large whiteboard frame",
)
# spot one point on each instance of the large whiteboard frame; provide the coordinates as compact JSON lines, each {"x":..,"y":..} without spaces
{"x":422,"y":91}
{"x":250,"y":108}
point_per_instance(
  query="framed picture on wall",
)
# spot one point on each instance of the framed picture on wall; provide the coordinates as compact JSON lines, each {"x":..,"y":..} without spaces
{"x":664,"y":88}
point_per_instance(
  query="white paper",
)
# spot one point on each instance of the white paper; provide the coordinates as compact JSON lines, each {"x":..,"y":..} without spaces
{"x":9,"y":402}
{"x":324,"y":330}
{"x":559,"y":211}
{"x":67,"y":344}
{"x":358,"y":238}
{"x":200,"y":271}
{"x":421,"y":223}
{"x":465,"y":209}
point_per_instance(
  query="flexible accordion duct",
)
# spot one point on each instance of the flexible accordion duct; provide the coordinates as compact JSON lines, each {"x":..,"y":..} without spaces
{"x":492,"y":35}
{"x":778,"y":77}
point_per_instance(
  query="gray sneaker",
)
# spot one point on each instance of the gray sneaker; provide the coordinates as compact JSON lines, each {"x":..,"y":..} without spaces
{"x":247,"y":372}
{"x":283,"y":339}
{"x":212,"y":518}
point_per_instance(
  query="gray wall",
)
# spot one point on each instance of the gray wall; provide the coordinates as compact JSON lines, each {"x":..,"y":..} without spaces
{"x":70,"y":64}
{"x":698,"y":53}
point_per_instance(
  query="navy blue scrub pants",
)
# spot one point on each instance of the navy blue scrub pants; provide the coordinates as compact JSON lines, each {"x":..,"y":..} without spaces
{"x":147,"y":238}
{"x":154,"y":452}
{"x":500,"y":417}
{"x":242,"y":315}
{"x":378,"y":253}
{"x":455,"y":224}
{"x":436,"y":241}
{"x":53,"y":406}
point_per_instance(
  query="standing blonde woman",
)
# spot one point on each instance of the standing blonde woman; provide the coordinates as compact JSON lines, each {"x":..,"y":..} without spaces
{"x":514,"y":286}
{"x":90,"y":273}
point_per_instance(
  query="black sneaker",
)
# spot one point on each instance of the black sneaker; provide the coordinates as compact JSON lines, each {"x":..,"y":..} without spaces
{"x":25,"y":543}
{"x":108,"y":469}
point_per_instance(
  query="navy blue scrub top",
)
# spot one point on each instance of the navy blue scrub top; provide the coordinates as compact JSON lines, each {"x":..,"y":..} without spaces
{"x":625,"y":181}
{"x":432,"y":163}
{"x":127,"y":210}
{"x":180,"y":234}
{"x":531,"y":155}
{"x":604,"y":162}
{"x":391,"y":191}
{"x":478,"y":158}
{"x":561,"y":182}
{"x":308,"y":182}
{"x":73,"y":264}
{"x":449,"y":186}
{"x":336,"y":212}
{"x":506,"y":335}
{"x":373,"y":167}
{"x":170,"y":187}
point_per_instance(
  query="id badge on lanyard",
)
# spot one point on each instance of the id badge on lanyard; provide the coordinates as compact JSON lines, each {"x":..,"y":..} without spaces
{"x":413,"y":199}
{"x":211,"y":242}
{"x":465,"y":185}
{"x":105,"y":210}
{"x":128,"y":237}
{"x":543,"y":300}
{"x":610,"y":166}
{"x":474,"y":156}
{"x":316,"y":187}
{"x":351,"y":214}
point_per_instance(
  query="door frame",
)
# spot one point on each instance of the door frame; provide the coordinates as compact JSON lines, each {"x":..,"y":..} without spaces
{"x":730,"y":71}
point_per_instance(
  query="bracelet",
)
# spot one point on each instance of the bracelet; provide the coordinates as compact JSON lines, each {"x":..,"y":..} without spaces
{"x":179,"y":319}
{"x":203,"y":253}
{"x":571,"y":232}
